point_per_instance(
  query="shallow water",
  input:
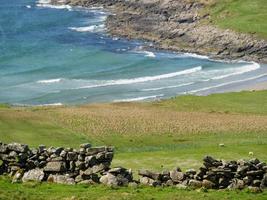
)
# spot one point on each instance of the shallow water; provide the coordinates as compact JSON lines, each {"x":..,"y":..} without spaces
{"x":62,"y":55}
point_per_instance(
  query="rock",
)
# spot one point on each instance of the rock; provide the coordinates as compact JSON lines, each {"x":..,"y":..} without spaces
{"x":133,"y":185}
{"x":61,"y":179}
{"x":211,"y":162}
{"x":72,"y":156}
{"x":264,"y":181}
{"x":256,"y":183}
{"x":34,"y":175}
{"x":41,"y":148}
{"x":181,"y":186}
{"x":3,"y":148}
{"x":207,"y":184}
{"x":55,"y":167}
{"x":87,"y":182}
{"x":95,"y":169}
{"x":237,"y":184}
{"x":90,"y":160}
{"x":117,"y":170}
{"x":18,"y":176}
{"x":150,"y":174}
{"x":85,"y":145}
{"x":194,"y":184}
{"x":176,"y":175}
{"x":109,"y":180}
{"x":254,"y":189}
{"x":21,"y":148}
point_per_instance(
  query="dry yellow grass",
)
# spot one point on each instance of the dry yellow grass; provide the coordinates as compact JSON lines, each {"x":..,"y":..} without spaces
{"x":139,"y":119}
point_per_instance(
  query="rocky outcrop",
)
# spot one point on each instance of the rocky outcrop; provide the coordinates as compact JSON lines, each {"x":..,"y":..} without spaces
{"x":177,"y":25}
{"x":91,"y":165}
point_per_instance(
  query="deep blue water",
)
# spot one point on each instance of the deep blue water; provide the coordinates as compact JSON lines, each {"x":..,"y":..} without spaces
{"x":51,"y":55}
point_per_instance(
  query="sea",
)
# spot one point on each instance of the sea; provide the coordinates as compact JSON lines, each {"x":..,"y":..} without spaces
{"x":57,"y":55}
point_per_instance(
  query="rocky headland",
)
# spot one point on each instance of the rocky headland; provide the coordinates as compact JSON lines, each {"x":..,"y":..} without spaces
{"x":182,"y":26}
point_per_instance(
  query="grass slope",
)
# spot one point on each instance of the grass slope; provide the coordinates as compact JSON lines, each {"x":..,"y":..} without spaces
{"x":158,"y":135}
{"x":247,"y":16}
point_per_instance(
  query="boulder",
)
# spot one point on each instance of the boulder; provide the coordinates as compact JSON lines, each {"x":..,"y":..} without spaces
{"x":55,"y":167}
{"x":85,"y":145}
{"x":3,"y":148}
{"x":18,"y":176}
{"x":194,"y":184}
{"x":34,"y":175}
{"x":61,"y":179}
{"x":150,"y":174}
{"x":95,"y":169}
{"x":109,"y":180}
{"x":176,"y":175}
{"x":21,"y":148}
{"x":237,"y":184}
{"x":207,"y":184}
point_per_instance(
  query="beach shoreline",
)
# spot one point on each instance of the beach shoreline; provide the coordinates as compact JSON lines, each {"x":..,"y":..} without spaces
{"x":190,"y":31}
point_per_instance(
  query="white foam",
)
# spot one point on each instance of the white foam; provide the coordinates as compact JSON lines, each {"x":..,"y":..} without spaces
{"x":224,"y":84}
{"x":47,"y":4}
{"x":49,"y":81}
{"x":193,"y":55}
{"x":149,"y":54}
{"x":93,"y":28}
{"x":144,"y":79}
{"x":239,"y":71}
{"x":167,"y":87}
{"x":51,"y":104}
{"x":28,"y":6}
{"x":139,"y":98}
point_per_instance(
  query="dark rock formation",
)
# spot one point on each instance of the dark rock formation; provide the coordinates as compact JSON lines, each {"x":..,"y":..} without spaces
{"x":177,"y":25}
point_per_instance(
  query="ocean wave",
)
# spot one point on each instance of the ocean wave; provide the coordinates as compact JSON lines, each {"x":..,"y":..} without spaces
{"x":224,"y":84}
{"x":167,"y":87}
{"x":143,"y":79}
{"x":39,"y":105}
{"x":50,"y":81}
{"x":92,"y":28}
{"x":139,"y":98}
{"x":28,"y":6}
{"x":193,"y":55}
{"x":240,"y":70}
{"x":47,"y":4}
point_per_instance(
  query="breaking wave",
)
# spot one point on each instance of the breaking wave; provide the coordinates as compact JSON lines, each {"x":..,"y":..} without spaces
{"x":143,"y":79}
{"x":139,"y":98}
{"x":49,"y":81}
{"x":92,"y":28}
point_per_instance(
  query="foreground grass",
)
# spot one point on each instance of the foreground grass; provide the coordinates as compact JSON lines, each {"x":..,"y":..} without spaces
{"x":51,"y":191}
{"x":159,"y":135}
{"x":241,"y":15}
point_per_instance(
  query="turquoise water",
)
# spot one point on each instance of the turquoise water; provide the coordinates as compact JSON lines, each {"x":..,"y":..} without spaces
{"x":62,"y":55}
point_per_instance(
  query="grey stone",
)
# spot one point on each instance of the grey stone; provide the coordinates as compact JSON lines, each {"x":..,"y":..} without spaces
{"x":95,"y":169}
{"x":176,"y":175}
{"x":85,"y":145}
{"x":109,"y":180}
{"x":33,"y":175}
{"x":3,"y":148}
{"x":207,"y":184}
{"x":21,"y":148}
{"x":55,"y":167}
{"x":61,"y":179}
{"x":194,"y":184}
{"x":18,"y":176}
{"x":237,"y":184}
{"x":150,"y":174}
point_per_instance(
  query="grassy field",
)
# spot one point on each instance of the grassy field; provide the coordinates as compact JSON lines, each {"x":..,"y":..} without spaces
{"x":159,"y":135}
{"x":248,"y":16}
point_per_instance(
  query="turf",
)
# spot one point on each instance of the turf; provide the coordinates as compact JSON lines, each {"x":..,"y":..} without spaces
{"x":247,"y":16}
{"x":159,"y":135}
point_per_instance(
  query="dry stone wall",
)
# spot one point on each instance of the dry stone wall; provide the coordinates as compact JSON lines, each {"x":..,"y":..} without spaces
{"x":91,"y":165}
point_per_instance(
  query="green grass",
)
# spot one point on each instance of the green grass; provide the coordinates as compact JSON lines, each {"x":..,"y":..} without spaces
{"x":247,"y":16}
{"x":51,"y":191}
{"x":159,"y":135}
{"x":236,"y":102}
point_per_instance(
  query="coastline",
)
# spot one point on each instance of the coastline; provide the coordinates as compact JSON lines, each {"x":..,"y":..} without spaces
{"x":189,"y":31}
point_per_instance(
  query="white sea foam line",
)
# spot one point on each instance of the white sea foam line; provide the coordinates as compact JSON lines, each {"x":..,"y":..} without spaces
{"x":144,"y":79}
{"x":92,"y":28}
{"x":224,"y":84}
{"x":39,"y":105}
{"x":240,"y":70}
{"x":139,"y":98}
{"x":50,"y":81}
{"x":167,"y":87}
